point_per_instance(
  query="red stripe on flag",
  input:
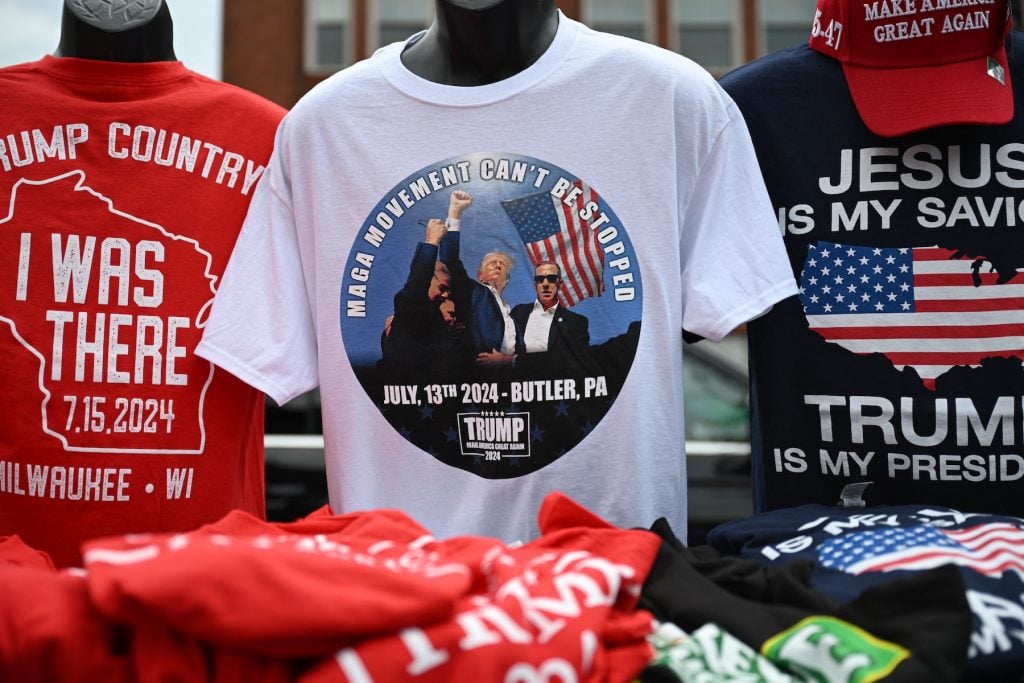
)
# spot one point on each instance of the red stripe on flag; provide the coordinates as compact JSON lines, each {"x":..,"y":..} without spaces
{"x":593,"y":254}
{"x":962,"y":558}
{"x":953,"y":279}
{"x":579,"y":254}
{"x":536,"y":256}
{"x":583,"y":246}
{"x":940,"y":357}
{"x":574,"y":256}
{"x":990,"y":549}
{"x":574,"y":291}
{"x":924,"y":331}
{"x":934,"y":254}
{"x":979,"y":535}
{"x":968,"y":305}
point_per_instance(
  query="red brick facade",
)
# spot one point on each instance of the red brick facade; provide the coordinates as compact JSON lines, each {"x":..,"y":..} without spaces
{"x":264,"y":51}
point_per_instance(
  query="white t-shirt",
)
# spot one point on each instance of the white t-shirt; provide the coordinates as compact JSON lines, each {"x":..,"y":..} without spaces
{"x":624,"y":163}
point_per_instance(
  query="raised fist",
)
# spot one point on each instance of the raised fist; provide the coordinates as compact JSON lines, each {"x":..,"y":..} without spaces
{"x":459,"y":202}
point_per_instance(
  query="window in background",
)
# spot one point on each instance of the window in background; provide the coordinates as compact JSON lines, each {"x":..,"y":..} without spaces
{"x":708,"y":32}
{"x":715,"y":389}
{"x":786,"y":22}
{"x":396,"y":20}
{"x":328,"y":31}
{"x":630,"y":18}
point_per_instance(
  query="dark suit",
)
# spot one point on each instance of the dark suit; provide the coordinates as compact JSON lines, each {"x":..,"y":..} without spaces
{"x":421,"y":347}
{"x":568,"y":343}
{"x":473,"y":300}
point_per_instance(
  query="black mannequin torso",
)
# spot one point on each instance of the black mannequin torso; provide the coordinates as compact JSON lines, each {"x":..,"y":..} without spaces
{"x":146,"y":37}
{"x":475,"y":42}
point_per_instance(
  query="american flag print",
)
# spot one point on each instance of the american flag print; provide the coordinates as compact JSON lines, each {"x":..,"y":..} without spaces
{"x":990,"y":549}
{"x":922,"y":307}
{"x":554,"y":231}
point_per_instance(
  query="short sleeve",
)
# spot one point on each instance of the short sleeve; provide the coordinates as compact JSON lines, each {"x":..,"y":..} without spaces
{"x":261,"y":327}
{"x":734,"y":263}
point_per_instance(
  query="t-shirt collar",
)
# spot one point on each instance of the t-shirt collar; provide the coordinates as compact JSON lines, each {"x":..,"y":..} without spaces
{"x":390,"y":63}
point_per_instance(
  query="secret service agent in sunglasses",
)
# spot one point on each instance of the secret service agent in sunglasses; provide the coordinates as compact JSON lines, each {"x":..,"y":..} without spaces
{"x":546,"y":278}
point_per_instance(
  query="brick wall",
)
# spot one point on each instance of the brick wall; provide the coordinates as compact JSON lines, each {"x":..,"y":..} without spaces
{"x":263,"y":48}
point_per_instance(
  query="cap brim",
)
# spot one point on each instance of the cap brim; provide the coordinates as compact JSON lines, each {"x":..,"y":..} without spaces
{"x":895,"y":102}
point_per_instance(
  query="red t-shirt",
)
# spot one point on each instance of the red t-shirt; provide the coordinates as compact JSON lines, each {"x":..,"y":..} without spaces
{"x":49,"y":629}
{"x":377,"y":598}
{"x":122,"y":191}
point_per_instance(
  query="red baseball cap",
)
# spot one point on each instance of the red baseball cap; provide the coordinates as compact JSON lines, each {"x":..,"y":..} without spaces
{"x":916,"y":64}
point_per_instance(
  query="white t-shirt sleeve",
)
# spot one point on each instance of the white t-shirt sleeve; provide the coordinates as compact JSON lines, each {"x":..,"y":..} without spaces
{"x":734,"y":263}
{"x":261,"y":327}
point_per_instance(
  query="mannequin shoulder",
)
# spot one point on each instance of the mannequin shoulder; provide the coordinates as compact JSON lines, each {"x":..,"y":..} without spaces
{"x":797,"y":62}
{"x":25,"y":72}
{"x":788,"y":72}
{"x":1015,"y":52}
{"x":255,"y":105}
{"x":361,"y":77}
{"x":616,"y":51}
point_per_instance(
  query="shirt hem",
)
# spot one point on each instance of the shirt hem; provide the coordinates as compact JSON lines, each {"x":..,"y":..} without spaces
{"x":246,"y":373}
{"x":755,"y":309}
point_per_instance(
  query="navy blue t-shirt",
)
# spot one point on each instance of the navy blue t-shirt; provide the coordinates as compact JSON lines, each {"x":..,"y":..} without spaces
{"x":900,"y":361}
{"x":852,"y":550}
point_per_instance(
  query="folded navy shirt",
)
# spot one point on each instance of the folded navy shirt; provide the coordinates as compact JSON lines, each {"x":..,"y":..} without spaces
{"x":854,"y":549}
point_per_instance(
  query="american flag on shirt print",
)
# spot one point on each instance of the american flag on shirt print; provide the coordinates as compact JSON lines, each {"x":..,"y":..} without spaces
{"x":922,"y":307}
{"x":554,"y":231}
{"x":990,"y":549}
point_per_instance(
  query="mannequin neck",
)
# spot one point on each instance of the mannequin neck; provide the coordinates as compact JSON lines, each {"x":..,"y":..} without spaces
{"x":473,"y":42}
{"x":152,"y":41}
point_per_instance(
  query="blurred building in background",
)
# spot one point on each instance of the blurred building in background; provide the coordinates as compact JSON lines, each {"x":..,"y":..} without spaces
{"x":312,"y":39}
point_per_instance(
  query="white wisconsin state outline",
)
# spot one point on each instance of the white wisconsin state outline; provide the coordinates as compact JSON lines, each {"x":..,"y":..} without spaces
{"x":200,"y":320}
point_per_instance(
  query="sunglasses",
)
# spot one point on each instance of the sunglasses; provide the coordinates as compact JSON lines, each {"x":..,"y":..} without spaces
{"x":546,"y":278}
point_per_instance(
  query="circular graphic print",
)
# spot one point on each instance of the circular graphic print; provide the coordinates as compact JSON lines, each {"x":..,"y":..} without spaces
{"x":490,"y":308}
